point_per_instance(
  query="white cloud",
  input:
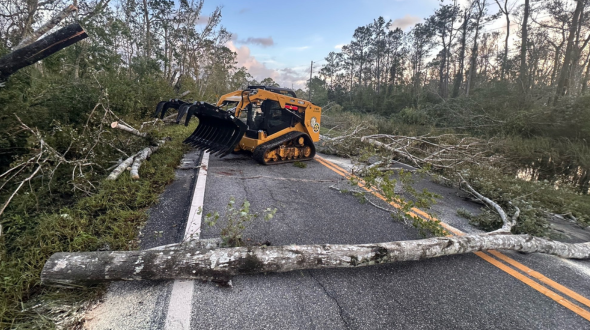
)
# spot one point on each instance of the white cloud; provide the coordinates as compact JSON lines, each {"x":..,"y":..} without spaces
{"x":339,"y":46}
{"x":286,"y":77}
{"x":405,"y":22}
{"x":202,"y":20}
{"x":300,"y":48}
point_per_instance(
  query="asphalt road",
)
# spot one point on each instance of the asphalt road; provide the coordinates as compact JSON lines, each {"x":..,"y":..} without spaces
{"x":457,"y":292}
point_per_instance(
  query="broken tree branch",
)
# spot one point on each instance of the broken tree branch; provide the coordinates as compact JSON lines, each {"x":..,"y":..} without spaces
{"x":507,"y":224}
{"x":128,"y":129}
{"x":122,"y":167}
{"x":143,"y":155}
{"x":83,"y":268}
{"x":40,"y":49}
{"x":445,"y":151}
{"x":47,"y":26}
{"x":17,"y":189}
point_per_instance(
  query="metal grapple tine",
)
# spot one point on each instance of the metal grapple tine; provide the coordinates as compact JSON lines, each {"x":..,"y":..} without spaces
{"x":192,"y":138}
{"x":218,"y":131}
{"x":199,"y":138}
{"x":164,"y":109}
{"x":204,"y":140}
{"x":181,"y":112}
{"x":217,"y":142}
{"x":234,"y":140}
{"x":159,"y":108}
{"x":223,"y":140}
{"x":223,"y":143}
{"x":192,"y":111}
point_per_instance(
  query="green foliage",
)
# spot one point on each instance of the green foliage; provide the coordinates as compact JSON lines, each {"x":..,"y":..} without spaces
{"x":108,"y":219}
{"x":300,"y":164}
{"x":385,"y":183}
{"x":238,"y":219}
{"x":556,"y":168}
{"x":413,"y":117}
{"x":533,"y":198}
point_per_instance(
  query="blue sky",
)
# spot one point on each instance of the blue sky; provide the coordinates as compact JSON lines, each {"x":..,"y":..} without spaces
{"x":280,"y":38}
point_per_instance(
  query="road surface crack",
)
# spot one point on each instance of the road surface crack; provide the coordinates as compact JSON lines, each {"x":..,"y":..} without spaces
{"x":341,"y":310}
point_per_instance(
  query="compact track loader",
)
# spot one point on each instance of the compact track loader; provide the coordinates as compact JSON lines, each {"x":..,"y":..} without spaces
{"x":269,"y":122}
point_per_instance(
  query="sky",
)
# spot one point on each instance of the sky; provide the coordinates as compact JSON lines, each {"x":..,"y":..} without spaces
{"x":279,"y":39}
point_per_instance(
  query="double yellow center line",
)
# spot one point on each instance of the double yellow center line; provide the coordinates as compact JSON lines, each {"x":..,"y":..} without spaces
{"x":520,"y":271}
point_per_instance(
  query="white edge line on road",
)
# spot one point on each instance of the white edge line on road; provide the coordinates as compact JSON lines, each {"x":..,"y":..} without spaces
{"x":179,"y":308}
{"x":193,"y":226}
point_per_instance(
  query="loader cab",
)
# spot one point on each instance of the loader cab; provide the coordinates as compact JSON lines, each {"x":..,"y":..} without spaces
{"x":268,"y":116}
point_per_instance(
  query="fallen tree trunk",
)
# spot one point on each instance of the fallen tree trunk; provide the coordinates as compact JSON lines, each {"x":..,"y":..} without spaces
{"x":143,"y":155}
{"x":122,"y":167}
{"x":193,"y":262}
{"x":128,"y":129}
{"x":40,"y":49}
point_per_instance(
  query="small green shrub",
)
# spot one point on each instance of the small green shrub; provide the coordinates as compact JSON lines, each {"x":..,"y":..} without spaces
{"x":300,"y":164}
{"x":238,"y":218}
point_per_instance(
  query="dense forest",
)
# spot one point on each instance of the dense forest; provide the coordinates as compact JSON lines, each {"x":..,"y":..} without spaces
{"x":495,"y":68}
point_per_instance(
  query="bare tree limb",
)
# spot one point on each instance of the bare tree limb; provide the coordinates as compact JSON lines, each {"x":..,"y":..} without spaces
{"x":143,"y":155}
{"x":122,"y":167}
{"x":507,"y":223}
{"x":128,"y":129}
{"x":16,"y":191}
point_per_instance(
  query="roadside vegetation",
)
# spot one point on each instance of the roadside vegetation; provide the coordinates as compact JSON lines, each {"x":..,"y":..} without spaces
{"x":501,"y":171}
{"x":36,"y":226}
{"x":509,"y":109}
{"x":56,"y":146}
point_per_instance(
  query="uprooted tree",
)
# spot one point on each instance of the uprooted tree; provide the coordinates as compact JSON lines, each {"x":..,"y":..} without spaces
{"x":206,"y":261}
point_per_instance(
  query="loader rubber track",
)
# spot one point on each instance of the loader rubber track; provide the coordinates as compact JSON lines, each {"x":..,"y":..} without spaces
{"x":259,"y":152}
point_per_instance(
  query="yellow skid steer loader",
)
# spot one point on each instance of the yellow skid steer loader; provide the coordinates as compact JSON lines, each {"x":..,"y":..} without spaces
{"x":269,"y":122}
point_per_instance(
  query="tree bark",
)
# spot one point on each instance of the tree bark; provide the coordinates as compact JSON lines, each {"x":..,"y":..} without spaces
{"x":474,"y":50}
{"x":122,"y":167}
{"x":523,"y":48}
{"x":504,"y":10}
{"x":143,"y":155}
{"x":47,"y":26}
{"x":128,"y":129}
{"x":194,"y":262}
{"x":40,"y":49}
{"x":459,"y":77}
{"x":148,"y":43}
{"x":563,"y":81}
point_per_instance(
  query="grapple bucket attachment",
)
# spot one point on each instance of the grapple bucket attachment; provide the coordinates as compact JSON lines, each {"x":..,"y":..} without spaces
{"x":218,"y":132}
{"x":163,"y":106}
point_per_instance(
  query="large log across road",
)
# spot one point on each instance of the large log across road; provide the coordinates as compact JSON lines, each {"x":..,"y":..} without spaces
{"x":193,"y":261}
